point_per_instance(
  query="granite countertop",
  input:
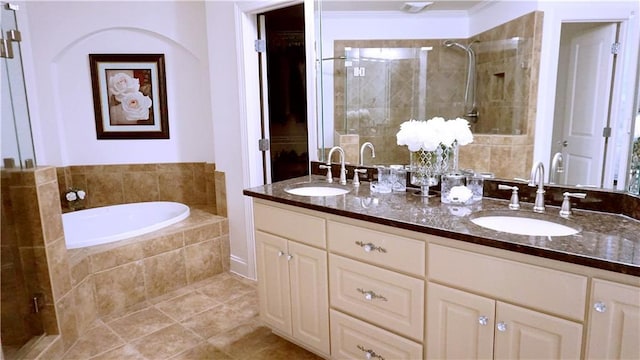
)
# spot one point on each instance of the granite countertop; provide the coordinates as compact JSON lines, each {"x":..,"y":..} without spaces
{"x":606,"y":241}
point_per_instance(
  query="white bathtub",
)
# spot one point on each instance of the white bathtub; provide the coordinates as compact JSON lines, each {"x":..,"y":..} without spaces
{"x":117,"y":222}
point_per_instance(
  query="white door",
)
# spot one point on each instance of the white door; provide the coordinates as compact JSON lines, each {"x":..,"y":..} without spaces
{"x":589,"y":81}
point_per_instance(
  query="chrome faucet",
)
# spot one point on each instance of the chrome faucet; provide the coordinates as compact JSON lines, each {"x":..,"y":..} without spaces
{"x":357,"y":172}
{"x":343,"y":169}
{"x":557,"y":167}
{"x":364,"y":146}
{"x":537,"y":178}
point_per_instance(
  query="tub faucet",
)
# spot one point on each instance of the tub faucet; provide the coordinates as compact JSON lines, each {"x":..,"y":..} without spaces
{"x":343,"y":169}
{"x":557,"y":167}
{"x":537,"y":178}
{"x":357,"y":172}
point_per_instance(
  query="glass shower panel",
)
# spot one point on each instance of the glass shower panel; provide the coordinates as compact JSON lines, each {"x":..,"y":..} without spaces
{"x":17,"y":142}
{"x":383,"y":88}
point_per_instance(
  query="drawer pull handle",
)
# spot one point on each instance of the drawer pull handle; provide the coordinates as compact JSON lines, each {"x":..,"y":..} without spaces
{"x":370,"y":295}
{"x":369,"y":247}
{"x":369,"y":353}
{"x":600,"y":307}
{"x":502,"y":326}
{"x":483,"y":320}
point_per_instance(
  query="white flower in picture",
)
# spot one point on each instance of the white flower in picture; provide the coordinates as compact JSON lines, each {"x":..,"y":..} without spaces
{"x":122,"y":84}
{"x":136,"y":106}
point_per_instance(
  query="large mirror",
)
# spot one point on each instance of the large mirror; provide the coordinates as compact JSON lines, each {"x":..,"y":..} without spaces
{"x":512,"y":69}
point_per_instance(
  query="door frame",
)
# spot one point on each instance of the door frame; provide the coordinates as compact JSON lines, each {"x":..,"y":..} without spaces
{"x":246,"y":30}
{"x":624,"y":77}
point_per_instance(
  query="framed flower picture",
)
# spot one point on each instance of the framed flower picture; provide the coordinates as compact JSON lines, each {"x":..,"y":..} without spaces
{"x":129,"y":96}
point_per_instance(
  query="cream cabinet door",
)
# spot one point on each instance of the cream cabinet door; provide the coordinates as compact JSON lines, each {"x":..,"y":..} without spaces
{"x":614,"y":321}
{"x":526,"y":334}
{"x":309,"y":295}
{"x":273,"y":282}
{"x":459,"y":324}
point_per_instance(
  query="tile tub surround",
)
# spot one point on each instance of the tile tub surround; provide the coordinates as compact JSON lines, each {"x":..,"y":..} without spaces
{"x":124,"y":273}
{"x":607,"y":241}
{"x":193,"y":184}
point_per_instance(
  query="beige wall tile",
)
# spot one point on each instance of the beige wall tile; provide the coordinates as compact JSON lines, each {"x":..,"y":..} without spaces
{"x":175,"y":186}
{"x":53,"y":351}
{"x":164,"y":272}
{"x":221,"y":194}
{"x":45,"y":174}
{"x":80,"y":270}
{"x":120,"y":287}
{"x":58,"y":263}
{"x":65,"y":309}
{"x":201,"y":233}
{"x":157,"y":245}
{"x":85,"y":305}
{"x":50,"y":211}
{"x":226,"y":252}
{"x":104,"y":188}
{"x":202,"y":260}
{"x":140,"y":186}
{"x":116,"y":256}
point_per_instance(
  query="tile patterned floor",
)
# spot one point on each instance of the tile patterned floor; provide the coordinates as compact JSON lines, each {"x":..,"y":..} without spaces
{"x":213,"y":319}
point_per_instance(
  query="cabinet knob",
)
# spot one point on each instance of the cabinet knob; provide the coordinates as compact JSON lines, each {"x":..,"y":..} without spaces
{"x":369,"y":353}
{"x":600,"y":307}
{"x":502,"y":326}
{"x":483,"y":320}
{"x":289,"y":256}
{"x":370,"y":295}
{"x":369,"y":247}
{"x":280,"y":253}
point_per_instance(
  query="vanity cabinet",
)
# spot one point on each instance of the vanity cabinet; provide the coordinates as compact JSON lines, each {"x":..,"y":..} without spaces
{"x":489,"y":307}
{"x":376,"y":282}
{"x":614,"y":321}
{"x":292,"y":276}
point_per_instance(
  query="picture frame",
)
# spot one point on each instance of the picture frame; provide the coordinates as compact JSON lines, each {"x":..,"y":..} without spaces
{"x":129,"y":96}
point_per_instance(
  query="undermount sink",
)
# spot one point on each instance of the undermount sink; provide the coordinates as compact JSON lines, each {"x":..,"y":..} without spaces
{"x":317,"y":189}
{"x":523,"y":224}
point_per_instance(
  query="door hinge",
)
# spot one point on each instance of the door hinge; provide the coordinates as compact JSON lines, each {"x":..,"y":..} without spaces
{"x":260,"y":45}
{"x":606,"y":132}
{"x":263,"y":144}
{"x":615,"y":48}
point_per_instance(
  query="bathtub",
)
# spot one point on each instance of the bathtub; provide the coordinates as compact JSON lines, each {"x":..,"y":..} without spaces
{"x":117,"y":222}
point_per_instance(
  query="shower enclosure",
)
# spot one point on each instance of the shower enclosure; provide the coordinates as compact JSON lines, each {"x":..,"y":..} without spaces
{"x":20,"y":293}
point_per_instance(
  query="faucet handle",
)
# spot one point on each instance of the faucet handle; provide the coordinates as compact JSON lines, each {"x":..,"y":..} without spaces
{"x":356,"y":176}
{"x":514,"y":204}
{"x":565,"y":210}
{"x":329,"y":174}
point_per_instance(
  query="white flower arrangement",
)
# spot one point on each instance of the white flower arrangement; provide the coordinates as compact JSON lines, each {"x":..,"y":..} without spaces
{"x":75,"y":195}
{"x":428,"y":135}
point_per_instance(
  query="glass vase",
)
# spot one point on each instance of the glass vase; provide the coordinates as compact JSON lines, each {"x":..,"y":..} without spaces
{"x":426,"y":168}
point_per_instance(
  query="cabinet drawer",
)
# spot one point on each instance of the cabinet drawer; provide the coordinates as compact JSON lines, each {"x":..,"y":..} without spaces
{"x":289,"y":224}
{"x":375,"y":247}
{"x":352,"y":339}
{"x":382,"y":297}
{"x":536,"y":287}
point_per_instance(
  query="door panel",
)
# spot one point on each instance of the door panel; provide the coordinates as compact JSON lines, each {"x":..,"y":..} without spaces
{"x":587,"y":102}
{"x":459,"y":324}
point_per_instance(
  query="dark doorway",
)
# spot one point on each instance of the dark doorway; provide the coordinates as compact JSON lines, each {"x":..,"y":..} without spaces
{"x":286,"y":92}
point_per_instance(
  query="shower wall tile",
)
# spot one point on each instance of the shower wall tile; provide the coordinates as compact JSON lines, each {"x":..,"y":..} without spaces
{"x":119,"y":287}
{"x":164,"y":273}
